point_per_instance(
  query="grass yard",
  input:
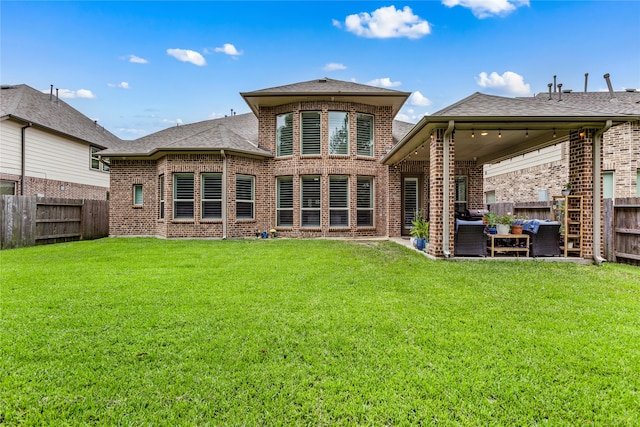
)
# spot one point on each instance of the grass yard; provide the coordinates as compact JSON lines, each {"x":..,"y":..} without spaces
{"x":311,"y":332}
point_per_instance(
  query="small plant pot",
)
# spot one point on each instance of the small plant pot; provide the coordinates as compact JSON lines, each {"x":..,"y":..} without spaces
{"x":421,"y":244}
{"x":566,"y":192}
{"x":516,"y":229}
{"x":492,"y":230}
{"x":503,"y":228}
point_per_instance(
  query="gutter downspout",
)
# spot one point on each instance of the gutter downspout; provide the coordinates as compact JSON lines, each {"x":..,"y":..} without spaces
{"x":446,"y":189}
{"x":224,"y":195}
{"x":597,"y":190}
{"x":23,"y":155}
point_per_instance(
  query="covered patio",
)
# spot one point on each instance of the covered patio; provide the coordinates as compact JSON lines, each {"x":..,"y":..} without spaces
{"x":482,"y":129}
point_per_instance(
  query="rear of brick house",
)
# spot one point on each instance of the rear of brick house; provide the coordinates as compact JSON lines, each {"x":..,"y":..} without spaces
{"x":305,"y":162}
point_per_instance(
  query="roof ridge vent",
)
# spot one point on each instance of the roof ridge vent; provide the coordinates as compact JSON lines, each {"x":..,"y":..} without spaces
{"x":322,"y":80}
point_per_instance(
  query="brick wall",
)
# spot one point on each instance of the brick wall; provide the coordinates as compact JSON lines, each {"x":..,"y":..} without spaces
{"x":621,"y":154}
{"x":129,"y":220}
{"x":57,"y":189}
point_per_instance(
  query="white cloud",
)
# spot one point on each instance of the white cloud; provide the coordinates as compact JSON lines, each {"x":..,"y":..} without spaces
{"x":336,"y":23}
{"x":387,"y":22}
{"x":384,"y":82}
{"x":70,"y":94}
{"x":186,"y":55}
{"x":509,"y":83}
{"x":486,"y":8}
{"x":419,"y":100}
{"x":137,"y":60}
{"x":228,"y":49}
{"x":410,"y":116}
{"x":132,"y":131}
{"x":332,"y":66}
{"x":121,"y":85}
{"x":176,"y":121}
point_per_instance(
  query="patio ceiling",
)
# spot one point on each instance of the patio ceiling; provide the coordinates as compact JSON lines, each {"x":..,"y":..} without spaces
{"x":518,"y":126}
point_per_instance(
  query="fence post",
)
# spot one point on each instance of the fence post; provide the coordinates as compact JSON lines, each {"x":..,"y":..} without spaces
{"x":609,"y":230}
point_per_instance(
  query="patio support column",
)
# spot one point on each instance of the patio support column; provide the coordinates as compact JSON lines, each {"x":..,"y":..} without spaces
{"x":581,"y":176}
{"x":597,"y":189}
{"x":441,"y":184}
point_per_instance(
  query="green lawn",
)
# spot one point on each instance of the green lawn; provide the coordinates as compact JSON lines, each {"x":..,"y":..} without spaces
{"x":300,"y":332}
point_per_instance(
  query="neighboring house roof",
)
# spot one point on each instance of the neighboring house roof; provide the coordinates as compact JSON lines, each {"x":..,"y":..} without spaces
{"x":28,"y":105}
{"x":238,"y":133}
{"x":399,"y":129}
{"x":627,"y":102}
{"x":325,"y":89}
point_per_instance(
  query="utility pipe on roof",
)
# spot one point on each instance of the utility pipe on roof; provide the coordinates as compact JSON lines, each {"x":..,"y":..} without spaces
{"x":597,"y":191}
{"x":224,"y":194}
{"x":446,"y":189}
{"x":23,"y":155}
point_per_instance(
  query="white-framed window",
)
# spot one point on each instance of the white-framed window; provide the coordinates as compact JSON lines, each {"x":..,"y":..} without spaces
{"x":411,"y":200}
{"x":284,"y":202}
{"x":310,"y":132}
{"x":338,"y":133}
{"x":244,"y":196}
{"x":364,"y":193}
{"x":338,"y":201}
{"x":7,"y":188}
{"x":364,"y":135}
{"x":211,"y":195}
{"x":161,"y":196}
{"x":608,"y":185}
{"x":95,"y":160}
{"x":137,"y":195}
{"x":461,"y":193}
{"x":310,"y":201}
{"x":183,"y":196}
{"x":284,"y":135}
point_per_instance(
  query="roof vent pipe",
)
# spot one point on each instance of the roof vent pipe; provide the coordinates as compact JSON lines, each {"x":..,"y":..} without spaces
{"x":51,"y":94}
{"x":554,"y":83}
{"x":57,"y":97}
{"x":586,"y":79}
{"x":606,"y":77}
{"x":559,"y":92}
{"x":549,"y":85}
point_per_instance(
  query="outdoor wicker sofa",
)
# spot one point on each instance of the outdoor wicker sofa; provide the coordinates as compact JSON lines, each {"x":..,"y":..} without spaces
{"x":544,"y":237}
{"x":469,"y":239}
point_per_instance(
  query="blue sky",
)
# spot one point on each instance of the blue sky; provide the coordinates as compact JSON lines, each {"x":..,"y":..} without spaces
{"x":139,"y":67}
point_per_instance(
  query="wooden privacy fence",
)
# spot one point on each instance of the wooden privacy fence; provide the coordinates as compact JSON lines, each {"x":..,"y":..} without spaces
{"x":621,"y":218}
{"x":622,"y":230}
{"x":31,"y":220}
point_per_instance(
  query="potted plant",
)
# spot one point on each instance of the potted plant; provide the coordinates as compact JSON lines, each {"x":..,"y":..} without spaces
{"x":420,"y":230}
{"x":504,"y":224}
{"x":566,"y":189}
{"x":491,"y":220}
{"x":517,"y":225}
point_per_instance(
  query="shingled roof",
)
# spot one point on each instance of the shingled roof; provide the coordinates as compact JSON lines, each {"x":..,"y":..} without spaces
{"x":28,"y":105}
{"x":237,"y":134}
{"x":325,"y":89}
{"x":627,"y":102}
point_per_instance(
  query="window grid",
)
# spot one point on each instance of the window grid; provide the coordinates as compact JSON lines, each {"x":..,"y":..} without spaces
{"x":338,"y":201}
{"x":338,"y":133}
{"x":364,"y":193}
{"x":310,"y":128}
{"x":211,"y":196}
{"x":284,"y":135}
{"x":161,"y":197}
{"x":284,"y":205}
{"x":137,"y":195}
{"x":364,"y":135}
{"x":310,"y":202}
{"x":244,"y":196}
{"x":95,"y":160}
{"x":183,"y":196}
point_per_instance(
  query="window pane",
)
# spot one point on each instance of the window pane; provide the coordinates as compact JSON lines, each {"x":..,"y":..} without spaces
{"x":284,"y":135}
{"x":338,"y":198}
{"x":211,"y":196}
{"x":338,"y":132}
{"x":183,"y":190}
{"x":365,"y":201}
{"x":161,"y":196}
{"x":285,"y":201}
{"x":310,"y":132}
{"x":410,"y":200}
{"x":95,"y":163}
{"x":244,"y":197}
{"x":137,"y":195}
{"x":310,"y":201}
{"x":607,"y":184}
{"x":365,"y":135}
{"x":7,"y":188}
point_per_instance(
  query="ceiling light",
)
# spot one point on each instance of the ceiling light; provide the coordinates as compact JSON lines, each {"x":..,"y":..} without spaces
{"x":473,"y":134}
{"x":554,"y":133}
{"x":527,"y":134}
{"x":499,"y":133}
{"x":484,"y":133}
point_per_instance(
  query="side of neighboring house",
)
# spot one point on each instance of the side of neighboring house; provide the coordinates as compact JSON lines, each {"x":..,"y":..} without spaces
{"x":48,"y":148}
{"x":542,"y":174}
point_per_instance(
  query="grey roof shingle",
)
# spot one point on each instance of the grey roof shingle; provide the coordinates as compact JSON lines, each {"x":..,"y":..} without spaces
{"x":399,"y":129}
{"x":323,"y":86}
{"x":27,"y":104}
{"x":482,"y":105}
{"x":622,"y":103}
{"x":234,"y":133}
